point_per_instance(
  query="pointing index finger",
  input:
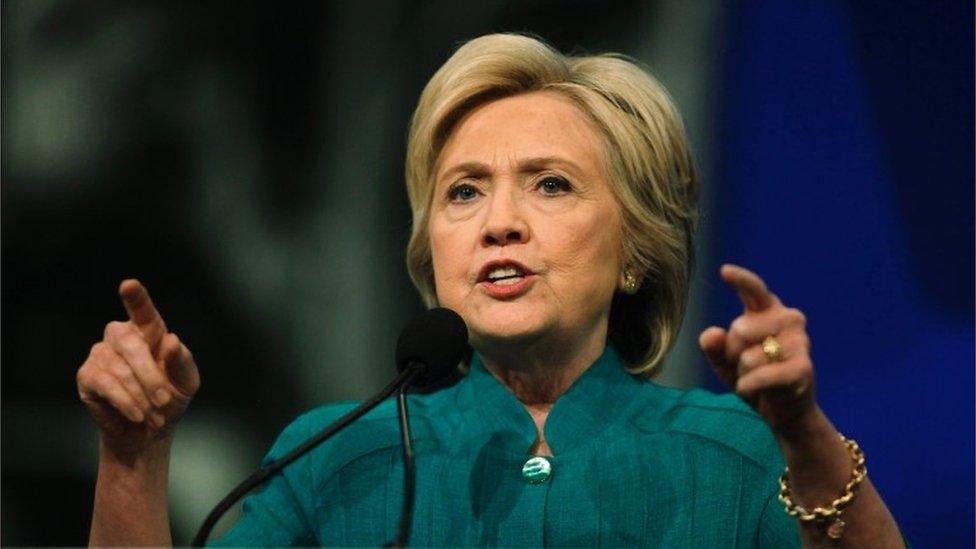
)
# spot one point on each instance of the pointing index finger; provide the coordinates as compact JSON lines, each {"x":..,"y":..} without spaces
{"x":752,"y":290}
{"x":141,"y":311}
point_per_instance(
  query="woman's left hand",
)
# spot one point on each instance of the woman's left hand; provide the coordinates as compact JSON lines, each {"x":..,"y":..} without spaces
{"x":781,"y":390}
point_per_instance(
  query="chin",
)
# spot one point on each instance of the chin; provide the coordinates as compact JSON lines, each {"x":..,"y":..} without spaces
{"x":511,"y":327}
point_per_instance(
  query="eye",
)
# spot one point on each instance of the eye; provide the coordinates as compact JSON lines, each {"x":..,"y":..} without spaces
{"x":554,"y":185}
{"x":462,"y":192}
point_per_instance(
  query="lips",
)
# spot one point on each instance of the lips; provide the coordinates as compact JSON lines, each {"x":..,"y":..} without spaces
{"x":505,"y":279}
{"x":503,"y":271}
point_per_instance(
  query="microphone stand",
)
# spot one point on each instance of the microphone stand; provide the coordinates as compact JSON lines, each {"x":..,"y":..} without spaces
{"x":404,"y":377}
{"x":409,"y":470}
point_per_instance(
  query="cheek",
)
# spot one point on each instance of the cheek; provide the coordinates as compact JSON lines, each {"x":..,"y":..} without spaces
{"x":590,"y":247}
{"x":447,"y":258}
{"x":438,"y":253}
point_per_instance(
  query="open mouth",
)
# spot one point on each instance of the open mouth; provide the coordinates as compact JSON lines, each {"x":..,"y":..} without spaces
{"x":505,"y":279}
{"x":503,"y":273}
{"x":505,"y":276}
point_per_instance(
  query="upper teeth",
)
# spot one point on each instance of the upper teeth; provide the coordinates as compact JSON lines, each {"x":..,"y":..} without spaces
{"x":503,"y":272}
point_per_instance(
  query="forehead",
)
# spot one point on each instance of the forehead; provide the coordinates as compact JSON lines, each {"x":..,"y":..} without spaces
{"x":531,"y":125}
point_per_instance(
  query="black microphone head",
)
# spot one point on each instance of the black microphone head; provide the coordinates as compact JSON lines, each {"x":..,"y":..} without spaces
{"x":437,"y":338}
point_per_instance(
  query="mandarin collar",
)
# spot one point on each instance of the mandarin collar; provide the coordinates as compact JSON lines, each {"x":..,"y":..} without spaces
{"x":593,"y":402}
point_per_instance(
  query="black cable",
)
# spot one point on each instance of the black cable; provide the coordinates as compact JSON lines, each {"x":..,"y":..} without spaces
{"x":262,"y":474}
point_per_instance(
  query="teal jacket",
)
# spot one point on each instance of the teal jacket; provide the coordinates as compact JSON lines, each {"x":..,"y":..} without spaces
{"x":636,"y":464}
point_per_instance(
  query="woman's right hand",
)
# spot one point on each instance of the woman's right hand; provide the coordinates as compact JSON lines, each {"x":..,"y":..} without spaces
{"x":139,"y":379}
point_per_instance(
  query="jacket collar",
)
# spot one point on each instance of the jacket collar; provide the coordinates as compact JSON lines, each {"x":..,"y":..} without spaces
{"x":591,"y":404}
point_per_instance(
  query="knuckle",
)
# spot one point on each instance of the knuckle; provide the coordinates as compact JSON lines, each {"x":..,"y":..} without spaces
{"x":96,"y":349}
{"x":123,"y":373}
{"x":132,"y":343}
{"x":83,"y":375}
{"x":115,"y":329}
{"x":122,"y":398}
{"x":89,"y":368}
{"x":738,"y":327}
{"x":796,"y":317}
{"x":97,"y":379}
{"x":181,"y":348}
{"x":177,"y":349}
{"x":747,"y":359}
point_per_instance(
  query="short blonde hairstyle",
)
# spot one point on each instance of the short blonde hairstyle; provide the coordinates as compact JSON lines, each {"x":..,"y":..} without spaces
{"x":646,"y":155}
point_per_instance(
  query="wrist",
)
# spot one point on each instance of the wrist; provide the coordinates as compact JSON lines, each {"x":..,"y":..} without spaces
{"x":133,"y":481}
{"x":827,"y":514}
{"x":148,"y":458}
{"x":130,"y":496}
{"x":819,"y":461}
{"x":809,"y":430}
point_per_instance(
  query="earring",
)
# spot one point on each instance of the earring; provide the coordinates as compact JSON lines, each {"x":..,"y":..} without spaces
{"x":630,"y":283}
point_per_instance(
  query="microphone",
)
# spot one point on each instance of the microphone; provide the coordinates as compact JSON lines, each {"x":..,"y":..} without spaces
{"x":432,"y":345}
{"x":429,"y":348}
{"x":436,"y":340}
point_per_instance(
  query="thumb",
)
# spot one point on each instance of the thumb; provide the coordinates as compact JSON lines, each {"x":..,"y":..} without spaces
{"x":712,"y":343}
{"x":181,"y":368}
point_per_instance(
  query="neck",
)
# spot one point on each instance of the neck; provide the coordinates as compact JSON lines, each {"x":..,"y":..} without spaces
{"x":539,"y":372}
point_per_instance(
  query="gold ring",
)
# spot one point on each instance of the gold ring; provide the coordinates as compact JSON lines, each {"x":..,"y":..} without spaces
{"x":772,"y":349}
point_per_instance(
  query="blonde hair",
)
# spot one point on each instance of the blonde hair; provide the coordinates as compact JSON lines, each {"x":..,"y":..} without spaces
{"x":645,"y":152}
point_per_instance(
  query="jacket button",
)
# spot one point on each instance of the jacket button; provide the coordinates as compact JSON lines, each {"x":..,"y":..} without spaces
{"x":537,"y":470}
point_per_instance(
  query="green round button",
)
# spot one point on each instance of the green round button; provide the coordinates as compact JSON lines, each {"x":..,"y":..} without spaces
{"x":537,"y":470}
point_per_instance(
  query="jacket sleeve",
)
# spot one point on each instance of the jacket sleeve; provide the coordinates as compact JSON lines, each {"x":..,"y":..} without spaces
{"x":277,"y":514}
{"x":776,"y":528}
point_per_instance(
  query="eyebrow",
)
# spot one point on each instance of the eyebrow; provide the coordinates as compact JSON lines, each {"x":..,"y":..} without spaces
{"x":527,"y":165}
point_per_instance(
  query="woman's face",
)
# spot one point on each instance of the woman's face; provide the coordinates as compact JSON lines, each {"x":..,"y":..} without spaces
{"x":524,"y":228}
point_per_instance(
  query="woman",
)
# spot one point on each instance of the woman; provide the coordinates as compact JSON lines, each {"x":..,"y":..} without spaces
{"x":554,"y":204}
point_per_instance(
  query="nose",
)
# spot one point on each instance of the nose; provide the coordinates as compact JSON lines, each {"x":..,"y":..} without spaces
{"x":504,"y":223}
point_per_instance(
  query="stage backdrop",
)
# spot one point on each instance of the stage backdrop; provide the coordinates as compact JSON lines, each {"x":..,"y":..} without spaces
{"x":245,"y":161}
{"x":846,"y":177}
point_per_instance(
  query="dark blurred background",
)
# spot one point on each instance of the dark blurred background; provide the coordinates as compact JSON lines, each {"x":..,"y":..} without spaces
{"x":245,"y":162}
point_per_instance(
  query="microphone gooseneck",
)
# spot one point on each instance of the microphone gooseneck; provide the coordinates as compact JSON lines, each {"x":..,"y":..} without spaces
{"x":262,"y":474}
{"x":428,"y":349}
{"x":433,"y":344}
{"x":409,"y":470}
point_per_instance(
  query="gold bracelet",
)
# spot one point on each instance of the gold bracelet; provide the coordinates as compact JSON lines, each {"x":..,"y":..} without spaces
{"x":829,"y":515}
